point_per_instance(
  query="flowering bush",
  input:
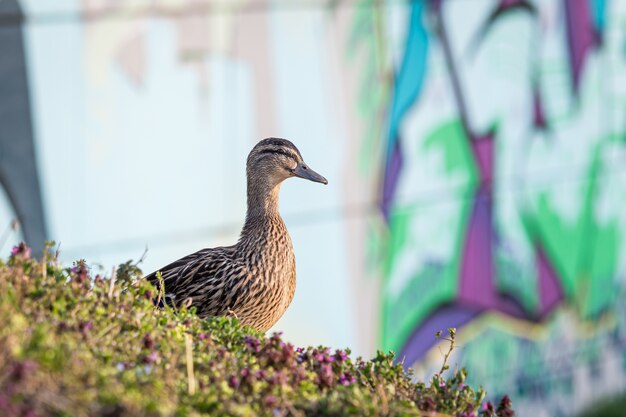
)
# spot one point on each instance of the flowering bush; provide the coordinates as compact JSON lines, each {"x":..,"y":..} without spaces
{"x":73,"y":344}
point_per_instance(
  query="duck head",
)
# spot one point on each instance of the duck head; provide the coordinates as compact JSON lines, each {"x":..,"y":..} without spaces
{"x":273,"y":160}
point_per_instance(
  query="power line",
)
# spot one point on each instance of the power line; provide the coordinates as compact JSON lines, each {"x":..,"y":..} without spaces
{"x":306,"y":218}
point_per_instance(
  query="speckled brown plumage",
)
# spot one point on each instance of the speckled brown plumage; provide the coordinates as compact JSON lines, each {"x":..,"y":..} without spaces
{"x":255,"y":279}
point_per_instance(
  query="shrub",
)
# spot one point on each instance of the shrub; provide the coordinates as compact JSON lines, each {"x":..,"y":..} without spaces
{"x":74,"y":344}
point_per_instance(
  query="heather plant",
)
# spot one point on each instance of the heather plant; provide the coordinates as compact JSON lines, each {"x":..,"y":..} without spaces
{"x":73,"y":344}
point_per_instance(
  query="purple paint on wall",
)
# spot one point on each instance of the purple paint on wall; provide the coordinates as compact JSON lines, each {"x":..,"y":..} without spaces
{"x":476,"y":275}
{"x":580,"y":37}
{"x":483,"y":152}
{"x":392,"y":172}
{"x":423,"y":338}
{"x":477,"y":287}
{"x":550,"y":291}
{"x":477,"y":290}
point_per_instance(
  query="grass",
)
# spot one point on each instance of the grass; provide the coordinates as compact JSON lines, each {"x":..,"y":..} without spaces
{"x":73,"y":344}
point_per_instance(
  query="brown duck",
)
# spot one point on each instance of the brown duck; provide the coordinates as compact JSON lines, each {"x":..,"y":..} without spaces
{"x":255,"y":279}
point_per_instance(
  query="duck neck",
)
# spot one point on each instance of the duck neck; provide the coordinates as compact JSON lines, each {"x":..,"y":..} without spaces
{"x":262,"y":207}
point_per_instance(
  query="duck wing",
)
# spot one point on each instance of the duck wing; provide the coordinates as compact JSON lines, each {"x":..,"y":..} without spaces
{"x":203,"y":277}
{"x":172,"y":270}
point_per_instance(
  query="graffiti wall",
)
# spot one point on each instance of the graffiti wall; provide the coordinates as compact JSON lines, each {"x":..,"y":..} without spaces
{"x":475,"y":151}
{"x":504,"y":196}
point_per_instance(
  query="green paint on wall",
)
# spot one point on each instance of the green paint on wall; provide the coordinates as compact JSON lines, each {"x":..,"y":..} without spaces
{"x":436,"y":282}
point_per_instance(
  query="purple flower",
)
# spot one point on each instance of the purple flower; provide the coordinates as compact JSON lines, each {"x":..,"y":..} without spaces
{"x":288,"y":351}
{"x":79,"y":271}
{"x":233,"y":381}
{"x":270,"y":401}
{"x":253,"y":344}
{"x":427,"y":404}
{"x":322,"y":356}
{"x":299,"y":375}
{"x":247,"y":377}
{"x":505,"y":402}
{"x":151,"y":358}
{"x":21,"y":250}
{"x":29,"y":412}
{"x":202,"y":336}
{"x":325,"y":375}
{"x":278,"y":378}
{"x":488,"y":408}
{"x":340,"y":355}
{"x":504,"y":408}
{"x":22,"y":369}
{"x":347,"y":379}
{"x":85,"y":326}
{"x":274,"y":356}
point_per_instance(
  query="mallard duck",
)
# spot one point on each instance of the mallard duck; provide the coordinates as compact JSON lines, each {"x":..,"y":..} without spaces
{"x":254,"y":279}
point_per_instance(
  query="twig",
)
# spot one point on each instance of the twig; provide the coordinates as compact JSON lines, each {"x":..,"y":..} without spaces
{"x":106,"y":330}
{"x":191,"y":381}
{"x":293,"y":411}
{"x":445,"y":366}
{"x":57,"y":252}
{"x":383,"y":397}
{"x":44,"y":264}
{"x":231,"y":312}
{"x":161,"y":289}
{"x":112,"y":284}
{"x":142,"y":257}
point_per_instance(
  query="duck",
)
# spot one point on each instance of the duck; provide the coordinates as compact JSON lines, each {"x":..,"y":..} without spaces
{"x":254,"y":279}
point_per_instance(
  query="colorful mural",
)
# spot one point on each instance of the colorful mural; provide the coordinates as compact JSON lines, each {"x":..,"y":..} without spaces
{"x":503,"y":193}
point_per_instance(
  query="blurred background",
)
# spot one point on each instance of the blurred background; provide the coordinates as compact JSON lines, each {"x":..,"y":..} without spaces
{"x":475,"y":149}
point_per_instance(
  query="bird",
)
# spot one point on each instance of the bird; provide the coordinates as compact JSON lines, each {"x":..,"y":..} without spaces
{"x":254,"y":279}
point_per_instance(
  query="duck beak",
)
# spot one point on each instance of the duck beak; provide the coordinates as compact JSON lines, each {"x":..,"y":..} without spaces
{"x":303,"y":171}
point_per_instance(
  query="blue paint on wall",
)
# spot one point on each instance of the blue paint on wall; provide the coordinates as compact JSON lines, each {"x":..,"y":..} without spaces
{"x":409,"y":80}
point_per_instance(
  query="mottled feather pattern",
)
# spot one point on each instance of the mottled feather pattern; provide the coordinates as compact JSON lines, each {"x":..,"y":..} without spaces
{"x":255,"y":279}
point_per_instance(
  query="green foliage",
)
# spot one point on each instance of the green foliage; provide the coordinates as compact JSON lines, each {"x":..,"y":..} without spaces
{"x":73,"y":344}
{"x":608,"y":407}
